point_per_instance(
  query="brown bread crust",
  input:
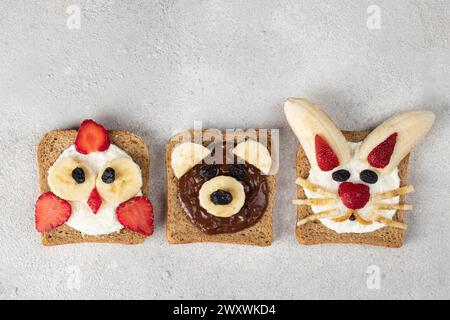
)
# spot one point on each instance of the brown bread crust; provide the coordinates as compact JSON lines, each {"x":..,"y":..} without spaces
{"x":50,"y":148}
{"x":180,"y":230}
{"x":315,"y":232}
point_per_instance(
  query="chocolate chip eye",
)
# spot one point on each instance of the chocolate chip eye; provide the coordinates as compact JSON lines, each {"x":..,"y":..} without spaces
{"x":208,"y":172}
{"x":237,"y":171}
{"x":341,"y":175}
{"x":221,"y":197}
{"x":109,"y":175}
{"x":368,"y":176}
{"x":78,"y":175}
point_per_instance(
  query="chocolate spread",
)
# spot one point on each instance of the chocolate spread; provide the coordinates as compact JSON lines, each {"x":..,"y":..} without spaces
{"x":256,"y":199}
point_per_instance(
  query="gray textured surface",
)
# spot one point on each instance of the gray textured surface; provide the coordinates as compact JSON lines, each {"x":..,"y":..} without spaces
{"x":156,"y":66}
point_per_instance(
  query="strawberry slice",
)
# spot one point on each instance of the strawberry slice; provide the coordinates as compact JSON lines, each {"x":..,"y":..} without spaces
{"x":51,"y":212}
{"x":136,"y":215}
{"x":95,"y":201}
{"x":325,"y":156}
{"x":380,"y":156}
{"x":91,"y":137}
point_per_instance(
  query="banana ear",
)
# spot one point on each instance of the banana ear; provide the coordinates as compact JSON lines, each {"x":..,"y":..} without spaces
{"x":186,"y":155}
{"x":254,"y":153}
{"x":391,"y":141}
{"x":324,"y":144}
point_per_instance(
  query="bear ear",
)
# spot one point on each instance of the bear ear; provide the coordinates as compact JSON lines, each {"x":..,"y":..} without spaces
{"x":391,"y":141}
{"x":186,"y":155}
{"x":254,"y":153}
{"x":324,"y":144}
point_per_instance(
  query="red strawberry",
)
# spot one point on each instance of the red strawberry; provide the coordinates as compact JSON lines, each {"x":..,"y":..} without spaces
{"x":91,"y":137}
{"x":51,"y":212}
{"x":95,"y":201}
{"x":380,"y":156}
{"x":136,"y":215}
{"x":325,"y":156}
{"x":354,"y":195}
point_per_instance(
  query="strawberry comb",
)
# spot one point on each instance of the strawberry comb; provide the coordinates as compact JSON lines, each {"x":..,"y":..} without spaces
{"x":91,"y":137}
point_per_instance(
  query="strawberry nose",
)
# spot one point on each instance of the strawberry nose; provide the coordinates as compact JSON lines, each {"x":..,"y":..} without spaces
{"x":95,"y":201}
{"x":354,"y":195}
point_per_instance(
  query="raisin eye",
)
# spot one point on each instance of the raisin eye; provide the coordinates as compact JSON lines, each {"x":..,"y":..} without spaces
{"x":78,"y":175}
{"x":237,"y":171}
{"x":109,"y":175}
{"x":341,"y":175}
{"x":368,"y":176}
{"x":208,"y":172}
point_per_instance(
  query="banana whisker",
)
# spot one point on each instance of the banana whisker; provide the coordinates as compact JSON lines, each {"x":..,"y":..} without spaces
{"x":383,"y":206}
{"x":317,"y":216}
{"x":392,"y":193}
{"x":361,"y":219}
{"x":346,"y":216}
{"x":314,"y":202}
{"x":389,"y":222}
{"x":314,"y":188}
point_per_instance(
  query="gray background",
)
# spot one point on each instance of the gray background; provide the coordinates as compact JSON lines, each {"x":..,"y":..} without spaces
{"x":156,"y":66}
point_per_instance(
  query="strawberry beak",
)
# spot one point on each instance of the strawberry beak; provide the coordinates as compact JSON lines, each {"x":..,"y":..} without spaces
{"x":95,"y":201}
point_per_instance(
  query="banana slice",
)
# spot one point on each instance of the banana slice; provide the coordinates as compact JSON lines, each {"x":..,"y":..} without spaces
{"x":254,"y":153}
{"x":186,"y":156}
{"x":410,"y":127}
{"x":229,"y":185}
{"x":70,"y":179}
{"x":119,"y":180}
{"x":308,"y":120}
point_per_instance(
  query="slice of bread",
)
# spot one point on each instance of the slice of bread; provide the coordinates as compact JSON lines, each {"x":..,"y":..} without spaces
{"x":50,"y":148}
{"x":180,"y":230}
{"x":315,"y":232}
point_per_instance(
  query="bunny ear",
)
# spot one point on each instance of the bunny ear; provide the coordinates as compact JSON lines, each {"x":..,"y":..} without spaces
{"x":186,"y":155}
{"x":324,"y":144}
{"x":390,"y":142}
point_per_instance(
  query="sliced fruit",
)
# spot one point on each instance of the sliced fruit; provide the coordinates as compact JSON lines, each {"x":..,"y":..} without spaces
{"x":94,"y":201}
{"x":314,"y":202}
{"x":393,"y":193}
{"x":51,"y":212}
{"x":127,"y":180}
{"x":186,"y":155}
{"x":361,"y":220}
{"x":410,"y":128}
{"x":226,"y":185}
{"x":254,"y":153}
{"x":91,"y":137}
{"x":314,"y":188}
{"x":354,"y":195}
{"x":380,"y":156}
{"x":318,"y":216}
{"x":64,"y":179}
{"x":386,"y":206}
{"x":136,"y":215}
{"x":390,"y":222}
{"x":345,"y":217}
{"x":308,"y":121}
{"x":325,"y":156}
